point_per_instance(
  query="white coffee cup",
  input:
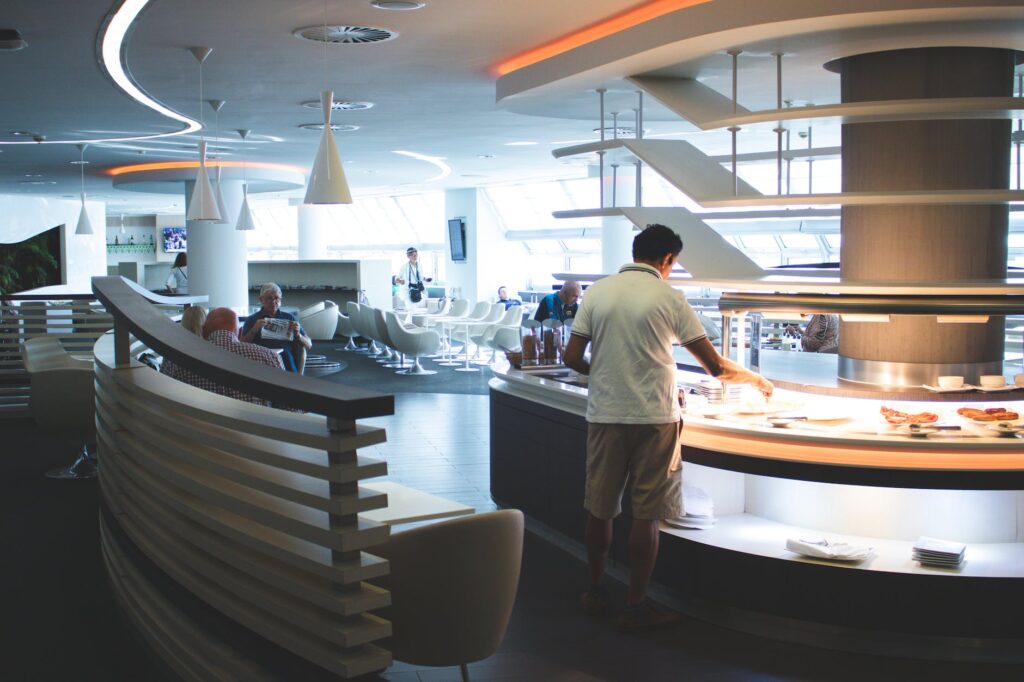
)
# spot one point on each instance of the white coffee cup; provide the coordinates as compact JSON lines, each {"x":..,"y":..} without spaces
{"x":951,"y":382}
{"x":992,"y":380}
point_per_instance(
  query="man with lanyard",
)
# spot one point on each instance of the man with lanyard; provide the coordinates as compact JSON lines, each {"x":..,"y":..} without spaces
{"x":560,"y":304}
{"x":631,"y":320}
{"x":410,"y":280}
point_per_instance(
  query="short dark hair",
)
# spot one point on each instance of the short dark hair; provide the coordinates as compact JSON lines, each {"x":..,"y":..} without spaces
{"x":411,"y":250}
{"x":655,"y":242}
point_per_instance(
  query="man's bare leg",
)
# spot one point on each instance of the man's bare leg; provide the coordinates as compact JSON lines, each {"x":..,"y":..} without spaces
{"x":598,"y":538}
{"x":643,"y":552}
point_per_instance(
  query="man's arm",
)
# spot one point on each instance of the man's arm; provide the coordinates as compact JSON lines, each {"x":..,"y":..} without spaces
{"x":573,"y":355}
{"x":724,"y":369}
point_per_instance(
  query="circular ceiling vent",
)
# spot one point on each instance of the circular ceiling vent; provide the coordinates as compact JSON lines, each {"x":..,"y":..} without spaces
{"x":336,"y":127}
{"x":346,"y":35}
{"x":339,"y":105}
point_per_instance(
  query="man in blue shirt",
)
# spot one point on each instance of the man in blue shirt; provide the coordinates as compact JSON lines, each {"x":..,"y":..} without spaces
{"x":293,"y":352}
{"x":505,"y":300}
{"x":560,"y":304}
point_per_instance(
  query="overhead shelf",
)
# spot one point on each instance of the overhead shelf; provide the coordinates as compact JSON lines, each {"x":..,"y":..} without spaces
{"x":709,"y":110}
{"x":829,"y":283}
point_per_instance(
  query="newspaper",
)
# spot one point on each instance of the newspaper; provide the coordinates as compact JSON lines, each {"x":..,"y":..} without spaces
{"x":277,"y":330}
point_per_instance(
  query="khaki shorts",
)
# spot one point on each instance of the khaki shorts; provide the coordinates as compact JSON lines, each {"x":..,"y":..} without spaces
{"x":644,"y":455}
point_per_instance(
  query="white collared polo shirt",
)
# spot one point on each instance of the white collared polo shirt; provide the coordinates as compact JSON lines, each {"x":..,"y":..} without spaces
{"x":631,"y":320}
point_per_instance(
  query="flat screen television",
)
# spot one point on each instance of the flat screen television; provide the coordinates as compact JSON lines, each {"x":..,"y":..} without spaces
{"x":457,"y":238}
{"x":174,"y":239}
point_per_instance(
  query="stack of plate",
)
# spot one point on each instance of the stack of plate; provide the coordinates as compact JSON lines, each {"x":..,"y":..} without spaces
{"x":692,"y":522}
{"x":714,"y":391}
{"x":822,"y":548}
{"x":932,"y":552}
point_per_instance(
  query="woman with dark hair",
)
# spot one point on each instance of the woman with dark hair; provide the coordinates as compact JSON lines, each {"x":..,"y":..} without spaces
{"x":177,"y":281}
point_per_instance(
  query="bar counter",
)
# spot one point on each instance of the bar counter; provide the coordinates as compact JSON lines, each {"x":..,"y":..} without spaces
{"x":851,"y":479}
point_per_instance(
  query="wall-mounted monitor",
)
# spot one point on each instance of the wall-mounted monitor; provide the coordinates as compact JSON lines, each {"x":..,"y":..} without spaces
{"x":174,"y":239}
{"x":457,"y":238}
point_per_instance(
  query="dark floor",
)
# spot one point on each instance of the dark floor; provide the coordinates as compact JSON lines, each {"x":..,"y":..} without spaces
{"x":60,"y":623}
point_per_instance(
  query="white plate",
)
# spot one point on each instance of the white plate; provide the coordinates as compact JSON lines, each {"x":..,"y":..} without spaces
{"x":939,"y":389}
{"x":1009,"y":429}
{"x":771,"y":407}
{"x":1000,"y":389}
{"x":916,"y":430}
{"x":826,"y":414}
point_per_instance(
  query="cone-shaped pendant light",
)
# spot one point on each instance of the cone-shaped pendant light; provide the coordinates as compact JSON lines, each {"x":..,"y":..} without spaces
{"x":245,"y":215}
{"x":218,"y":195}
{"x":84,"y":224}
{"x":327,"y":184}
{"x":245,"y":221}
{"x":203,"y":205}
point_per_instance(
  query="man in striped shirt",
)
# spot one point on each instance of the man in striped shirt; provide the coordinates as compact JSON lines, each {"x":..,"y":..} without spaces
{"x":221,"y":329}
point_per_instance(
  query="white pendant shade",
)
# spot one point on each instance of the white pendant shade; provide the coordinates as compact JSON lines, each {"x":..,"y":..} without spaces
{"x":327,"y":184}
{"x":84,"y":224}
{"x":202,"y":205}
{"x":245,"y":215}
{"x":219,"y":196}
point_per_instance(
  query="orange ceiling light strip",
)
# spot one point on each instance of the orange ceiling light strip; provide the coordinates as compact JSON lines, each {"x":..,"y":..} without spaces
{"x":602,"y":29}
{"x":171,"y":165}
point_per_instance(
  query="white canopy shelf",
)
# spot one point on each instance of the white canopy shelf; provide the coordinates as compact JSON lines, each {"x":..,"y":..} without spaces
{"x":709,"y":110}
{"x":829,"y":283}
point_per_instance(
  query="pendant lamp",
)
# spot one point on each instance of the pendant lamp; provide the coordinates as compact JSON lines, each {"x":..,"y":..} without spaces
{"x":218,"y":193}
{"x":84,"y":224}
{"x":202,"y":205}
{"x":245,"y":221}
{"x":327,"y":184}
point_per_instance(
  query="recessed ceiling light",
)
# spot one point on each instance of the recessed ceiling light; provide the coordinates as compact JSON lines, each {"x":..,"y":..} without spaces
{"x":33,"y":175}
{"x":621,"y":131}
{"x":38,"y":182}
{"x":522,"y":143}
{"x":336,"y":127}
{"x":79,"y":163}
{"x":22,"y":133}
{"x":398,"y":4}
{"x":339,"y":105}
{"x":485,"y":156}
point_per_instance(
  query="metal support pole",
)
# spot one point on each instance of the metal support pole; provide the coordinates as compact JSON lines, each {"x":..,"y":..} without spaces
{"x":639,"y":114}
{"x":600,"y":154}
{"x":600,"y":158}
{"x":600,"y":97}
{"x":639,"y":184}
{"x":1020,"y":126}
{"x":789,"y":160}
{"x":615,"y":125}
{"x":778,"y":130}
{"x":615,"y":183}
{"x":735,"y":76}
{"x":735,"y":176}
{"x":810,"y":161}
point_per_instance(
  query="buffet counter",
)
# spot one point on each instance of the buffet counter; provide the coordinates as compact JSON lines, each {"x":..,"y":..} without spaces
{"x":837,"y":471}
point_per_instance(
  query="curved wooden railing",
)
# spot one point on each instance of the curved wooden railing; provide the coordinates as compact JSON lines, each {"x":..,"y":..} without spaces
{"x":252,"y":510}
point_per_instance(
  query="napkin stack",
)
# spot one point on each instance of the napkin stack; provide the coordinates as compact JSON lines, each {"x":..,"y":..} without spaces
{"x":932,"y":552}
{"x":821,"y":548}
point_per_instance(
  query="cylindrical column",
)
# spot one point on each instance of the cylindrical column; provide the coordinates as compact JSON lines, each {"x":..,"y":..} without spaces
{"x":217,"y":254}
{"x":617,"y":231}
{"x":314,"y":226}
{"x":922,"y":243}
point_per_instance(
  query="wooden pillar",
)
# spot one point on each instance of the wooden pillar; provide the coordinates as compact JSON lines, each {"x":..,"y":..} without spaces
{"x":921,"y":243}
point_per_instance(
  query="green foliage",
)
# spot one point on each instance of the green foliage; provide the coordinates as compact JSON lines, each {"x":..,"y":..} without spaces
{"x":28,"y":264}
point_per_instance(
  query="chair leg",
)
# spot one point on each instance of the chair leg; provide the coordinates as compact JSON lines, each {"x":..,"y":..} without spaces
{"x":464,"y":669}
{"x":82,"y":468}
{"x":416,"y":369}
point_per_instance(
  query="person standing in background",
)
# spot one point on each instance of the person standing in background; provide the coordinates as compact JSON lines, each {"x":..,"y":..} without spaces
{"x":411,"y":283}
{"x":177,"y":280}
{"x":631,"y":320}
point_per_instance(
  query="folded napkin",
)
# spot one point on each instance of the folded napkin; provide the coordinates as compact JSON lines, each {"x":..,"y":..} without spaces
{"x":821,"y":548}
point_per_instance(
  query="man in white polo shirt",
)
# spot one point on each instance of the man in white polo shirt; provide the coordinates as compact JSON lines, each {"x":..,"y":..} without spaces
{"x":631,"y":320}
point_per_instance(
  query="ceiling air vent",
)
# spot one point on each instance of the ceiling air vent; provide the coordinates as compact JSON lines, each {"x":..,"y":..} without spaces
{"x":336,"y":127}
{"x":346,"y":35}
{"x":339,"y":105}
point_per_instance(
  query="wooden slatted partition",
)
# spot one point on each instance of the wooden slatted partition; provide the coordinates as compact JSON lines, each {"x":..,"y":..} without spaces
{"x":253,"y":510}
